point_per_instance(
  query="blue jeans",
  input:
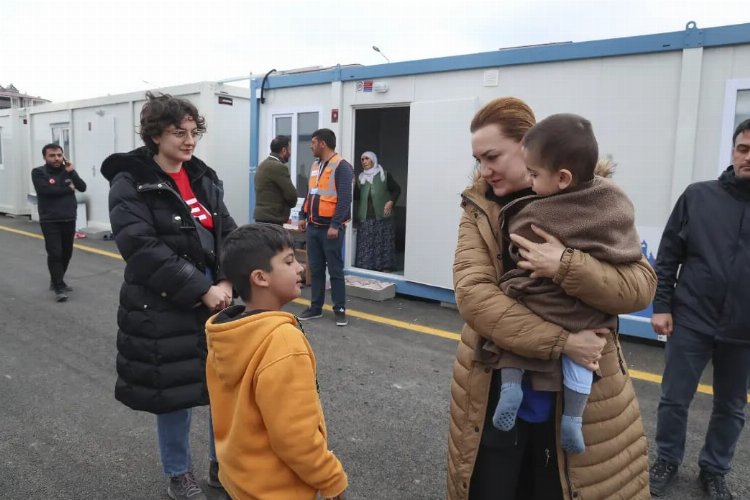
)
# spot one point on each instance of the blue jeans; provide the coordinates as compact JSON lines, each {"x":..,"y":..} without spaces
{"x":173,"y":430}
{"x":576,"y":377}
{"x":687,"y":354}
{"x":322,"y":251}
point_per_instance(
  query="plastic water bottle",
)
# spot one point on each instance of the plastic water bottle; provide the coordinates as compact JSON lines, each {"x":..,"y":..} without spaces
{"x":295,"y":218}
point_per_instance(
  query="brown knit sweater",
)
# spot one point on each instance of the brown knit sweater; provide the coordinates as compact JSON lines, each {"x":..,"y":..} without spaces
{"x":596,"y":217}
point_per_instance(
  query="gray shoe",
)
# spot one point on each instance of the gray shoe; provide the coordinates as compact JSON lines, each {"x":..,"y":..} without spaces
{"x":185,"y":487}
{"x":715,"y":485}
{"x":340,"y":316}
{"x":309,"y":314}
{"x":661,"y":475}
{"x":60,"y":295}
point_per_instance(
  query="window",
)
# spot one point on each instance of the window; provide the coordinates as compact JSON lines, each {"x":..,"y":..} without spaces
{"x":307,"y":123}
{"x":736,"y":110}
{"x":298,"y":126}
{"x":61,"y":136}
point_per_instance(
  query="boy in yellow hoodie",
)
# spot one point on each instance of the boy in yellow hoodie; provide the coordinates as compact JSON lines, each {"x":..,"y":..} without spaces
{"x":268,"y":422}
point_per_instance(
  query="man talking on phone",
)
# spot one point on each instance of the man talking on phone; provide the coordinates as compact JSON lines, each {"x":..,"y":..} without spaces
{"x":56,"y":183}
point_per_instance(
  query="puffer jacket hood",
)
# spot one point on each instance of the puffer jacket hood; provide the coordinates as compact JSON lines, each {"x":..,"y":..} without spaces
{"x":141,"y":165}
{"x":235,"y":339}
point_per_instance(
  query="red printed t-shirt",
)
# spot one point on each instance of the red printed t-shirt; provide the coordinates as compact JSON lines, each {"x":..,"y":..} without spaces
{"x":197,"y":210}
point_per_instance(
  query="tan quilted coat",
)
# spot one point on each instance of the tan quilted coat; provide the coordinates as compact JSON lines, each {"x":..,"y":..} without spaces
{"x":615,"y":464}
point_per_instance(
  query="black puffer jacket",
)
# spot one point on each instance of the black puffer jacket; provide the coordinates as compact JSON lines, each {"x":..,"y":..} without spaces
{"x":161,"y":340}
{"x":708,"y":233}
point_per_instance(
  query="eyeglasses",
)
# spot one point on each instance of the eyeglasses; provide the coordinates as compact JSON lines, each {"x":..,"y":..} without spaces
{"x":182,"y":134}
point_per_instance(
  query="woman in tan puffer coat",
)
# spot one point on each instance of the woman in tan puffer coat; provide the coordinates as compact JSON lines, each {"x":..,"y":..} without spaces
{"x":527,"y":463}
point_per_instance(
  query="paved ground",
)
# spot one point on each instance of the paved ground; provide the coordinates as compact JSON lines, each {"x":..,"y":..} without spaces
{"x":385,"y":392}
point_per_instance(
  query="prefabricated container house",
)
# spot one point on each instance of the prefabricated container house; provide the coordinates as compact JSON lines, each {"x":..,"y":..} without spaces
{"x":89,"y":130}
{"x":663,"y":108}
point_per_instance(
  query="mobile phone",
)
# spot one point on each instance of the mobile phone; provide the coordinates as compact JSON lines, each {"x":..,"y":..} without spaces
{"x":64,"y":162}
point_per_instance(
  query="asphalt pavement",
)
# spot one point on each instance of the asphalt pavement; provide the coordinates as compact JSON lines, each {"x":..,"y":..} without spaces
{"x":385,"y":391}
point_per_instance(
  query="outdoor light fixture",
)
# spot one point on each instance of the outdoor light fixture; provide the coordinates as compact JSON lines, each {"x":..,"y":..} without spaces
{"x":381,"y":53}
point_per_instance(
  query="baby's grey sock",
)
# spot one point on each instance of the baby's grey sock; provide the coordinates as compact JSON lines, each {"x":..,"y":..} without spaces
{"x":511,"y":396}
{"x":571,"y":428}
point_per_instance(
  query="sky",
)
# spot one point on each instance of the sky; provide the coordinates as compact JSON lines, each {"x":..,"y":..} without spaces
{"x":75,"y":49}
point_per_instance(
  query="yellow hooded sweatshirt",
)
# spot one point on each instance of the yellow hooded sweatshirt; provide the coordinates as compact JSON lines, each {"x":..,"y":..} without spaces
{"x":269,"y":429}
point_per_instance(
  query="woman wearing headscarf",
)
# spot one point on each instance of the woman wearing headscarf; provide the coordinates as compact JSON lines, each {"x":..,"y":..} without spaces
{"x":375,"y":195}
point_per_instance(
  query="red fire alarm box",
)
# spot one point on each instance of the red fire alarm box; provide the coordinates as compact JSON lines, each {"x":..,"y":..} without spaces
{"x":334,"y":116}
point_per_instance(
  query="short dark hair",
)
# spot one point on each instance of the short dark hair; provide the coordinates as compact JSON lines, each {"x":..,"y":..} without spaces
{"x":163,"y":110}
{"x":51,"y":145}
{"x":251,"y":247}
{"x":279,"y":142}
{"x":564,"y":141}
{"x":742,"y":127}
{"x":326,"y":135}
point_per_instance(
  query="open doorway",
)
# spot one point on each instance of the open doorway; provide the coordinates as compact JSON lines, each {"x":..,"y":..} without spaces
{"x":385,"y":132}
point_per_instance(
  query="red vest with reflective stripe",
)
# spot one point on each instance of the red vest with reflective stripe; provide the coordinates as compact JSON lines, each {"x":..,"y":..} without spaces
{"x":320,"y":204}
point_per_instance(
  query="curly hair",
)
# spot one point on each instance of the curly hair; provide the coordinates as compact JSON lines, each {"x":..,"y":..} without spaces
{"x":163,"y":110}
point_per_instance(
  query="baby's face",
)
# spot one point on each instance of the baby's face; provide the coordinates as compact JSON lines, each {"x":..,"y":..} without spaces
{"x":543,"y":181}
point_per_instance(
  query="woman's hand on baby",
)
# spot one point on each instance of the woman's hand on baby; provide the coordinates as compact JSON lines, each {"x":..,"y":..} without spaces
{"x":542,"y":259}
{"x":585,"y":347}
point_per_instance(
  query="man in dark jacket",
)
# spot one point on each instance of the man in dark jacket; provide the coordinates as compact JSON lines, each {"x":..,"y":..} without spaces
{"x":274,"y":192}
{"x":55,"y":184}
{"x":705,"y":312}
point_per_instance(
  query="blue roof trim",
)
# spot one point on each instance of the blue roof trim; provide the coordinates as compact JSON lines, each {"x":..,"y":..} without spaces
{"x":643,"y":44}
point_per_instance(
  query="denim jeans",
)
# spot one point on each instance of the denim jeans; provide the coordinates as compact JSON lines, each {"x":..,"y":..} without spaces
{"x":173,"y":430}
{"x":321,"y":252}
{"x":687,"y":353}
{"x":576,"y":377}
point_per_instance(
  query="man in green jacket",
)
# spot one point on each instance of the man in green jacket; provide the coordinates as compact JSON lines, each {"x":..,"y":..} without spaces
{"x":275,"y":194}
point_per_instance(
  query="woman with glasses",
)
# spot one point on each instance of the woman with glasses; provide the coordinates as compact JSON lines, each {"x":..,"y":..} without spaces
{"x":375,"y":195}
{"x":168,"y":219}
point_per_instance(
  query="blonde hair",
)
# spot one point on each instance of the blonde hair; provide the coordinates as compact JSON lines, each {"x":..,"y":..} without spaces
{"x":511,"y":114}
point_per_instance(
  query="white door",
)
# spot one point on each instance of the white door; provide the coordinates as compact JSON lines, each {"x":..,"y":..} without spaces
{"x":440,"y":168}
{"x":93,"y":145}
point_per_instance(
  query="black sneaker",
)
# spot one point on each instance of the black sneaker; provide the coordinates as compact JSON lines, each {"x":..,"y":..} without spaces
{"x":60,"y":295}
{"x":309,"y":314}
{"x":213,"y":475}
{"x":715,"y":485}
{"x":661,"y":475}
{"x":340,"y":317}
{"x":185,"y":487}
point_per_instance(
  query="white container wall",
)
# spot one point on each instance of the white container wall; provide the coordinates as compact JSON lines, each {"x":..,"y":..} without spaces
{"x":659,"y":105}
